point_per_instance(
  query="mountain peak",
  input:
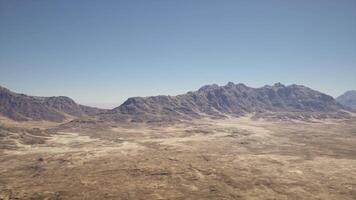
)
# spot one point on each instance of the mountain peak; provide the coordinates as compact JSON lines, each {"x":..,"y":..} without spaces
{"x":208,"y":87}
{"x":350,"y":92}
{"x":230,"y":84}
{"x":348,"y":99}
{"x":278,"y":85}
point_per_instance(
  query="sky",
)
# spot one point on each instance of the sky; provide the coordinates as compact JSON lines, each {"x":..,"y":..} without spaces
{"x":102,"y":52}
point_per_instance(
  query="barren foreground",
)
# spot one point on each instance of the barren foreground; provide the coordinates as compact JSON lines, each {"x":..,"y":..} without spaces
{"x":207,"y":159}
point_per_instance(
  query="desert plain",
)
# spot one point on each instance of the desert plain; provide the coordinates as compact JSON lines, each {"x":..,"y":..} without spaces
{"x":233,"y":158}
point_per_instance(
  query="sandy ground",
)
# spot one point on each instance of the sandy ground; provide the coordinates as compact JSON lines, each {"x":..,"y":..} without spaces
{"x":207,"y":159}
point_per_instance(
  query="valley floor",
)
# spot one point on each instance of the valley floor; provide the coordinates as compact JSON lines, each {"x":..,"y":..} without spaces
{"x":208,"y":159}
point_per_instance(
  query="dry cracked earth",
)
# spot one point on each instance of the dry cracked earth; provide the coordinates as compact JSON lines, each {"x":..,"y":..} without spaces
{"x":236,"y":158}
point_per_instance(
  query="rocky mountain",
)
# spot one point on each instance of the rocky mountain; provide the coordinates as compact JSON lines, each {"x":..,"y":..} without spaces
{"x":348,"y":99}
{"x":22,"y":107}
{"x":211,"y":101}
{"x":219,"y":101}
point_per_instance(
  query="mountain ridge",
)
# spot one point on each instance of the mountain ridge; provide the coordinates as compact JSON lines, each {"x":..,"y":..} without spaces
{"x":219,"y":101}
{"x":211,"y":101}
{"x":21,"y":107}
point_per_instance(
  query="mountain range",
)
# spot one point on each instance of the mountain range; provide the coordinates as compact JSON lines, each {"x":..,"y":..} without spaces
{"x":211,"y":101}
{"x":348,"y":99}
{"x":219,"y":101}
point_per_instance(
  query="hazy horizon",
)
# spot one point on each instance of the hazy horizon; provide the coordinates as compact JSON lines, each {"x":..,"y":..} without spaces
{"x":101,"y":53}
{"x":110,"y":105}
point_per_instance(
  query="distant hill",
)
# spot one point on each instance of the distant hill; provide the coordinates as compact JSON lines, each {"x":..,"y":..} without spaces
{"x":348,"y":99}
{"x":218,"y":101}
{"x":21,"y":107}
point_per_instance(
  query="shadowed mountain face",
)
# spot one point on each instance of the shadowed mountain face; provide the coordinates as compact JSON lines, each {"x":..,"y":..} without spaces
{"x":348,"y":99}
{"x":21,"y":107}
{"x":218,"y":101}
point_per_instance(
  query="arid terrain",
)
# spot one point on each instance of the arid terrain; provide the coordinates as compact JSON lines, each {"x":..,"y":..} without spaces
{"x":234,"y":158}
{"x":177,"y":100}
{"x":219,"y":142}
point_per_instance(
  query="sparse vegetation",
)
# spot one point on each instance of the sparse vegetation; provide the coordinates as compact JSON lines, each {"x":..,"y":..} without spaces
{"x":237,"y":158}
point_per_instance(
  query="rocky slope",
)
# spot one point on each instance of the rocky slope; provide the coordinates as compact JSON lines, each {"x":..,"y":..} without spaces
{"x":22,"y":107}
{"x":219,"y":101}
{"x":348,"y":99}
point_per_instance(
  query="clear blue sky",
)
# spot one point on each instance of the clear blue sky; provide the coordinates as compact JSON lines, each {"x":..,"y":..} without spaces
{"x":102,"y":52}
